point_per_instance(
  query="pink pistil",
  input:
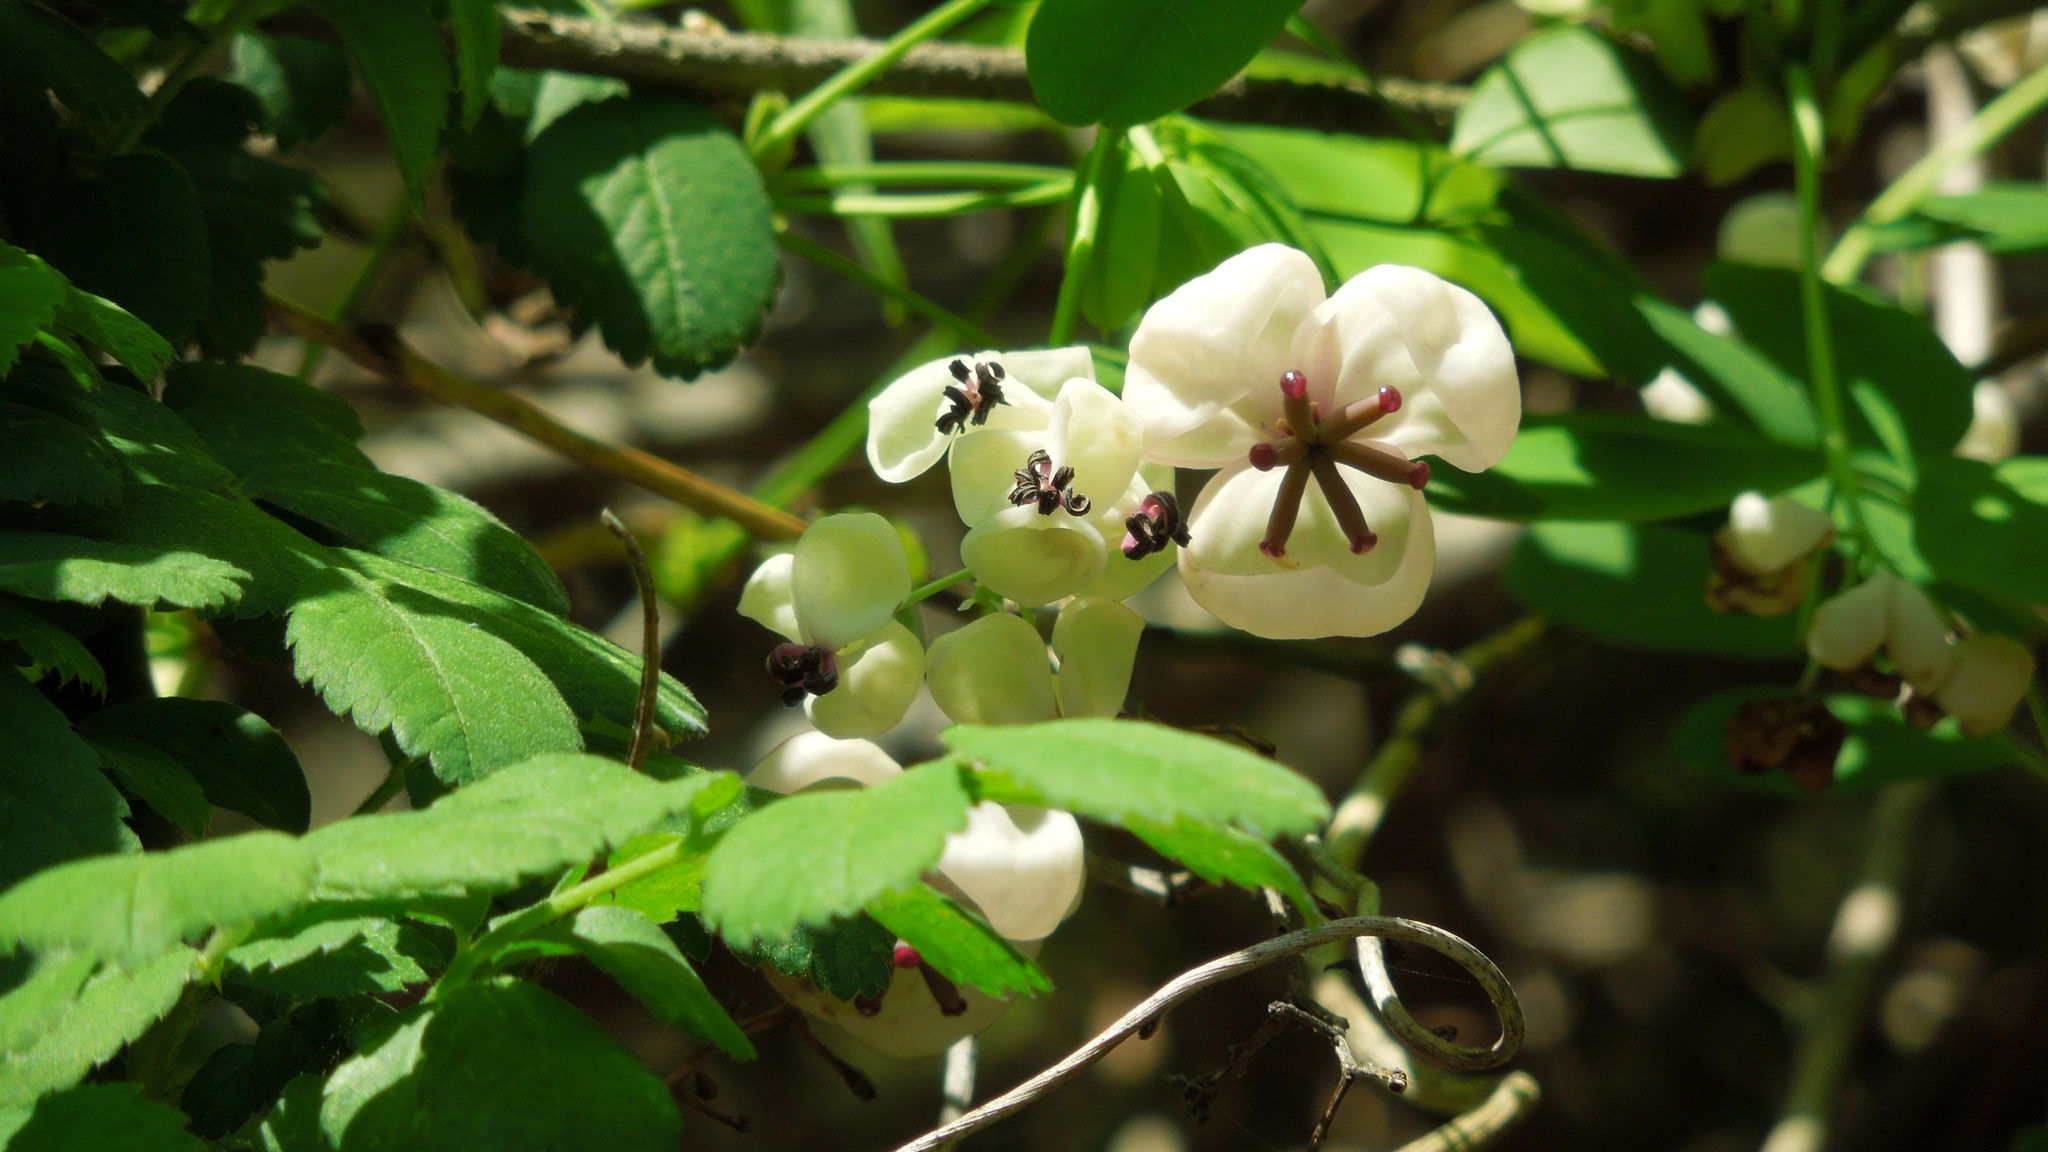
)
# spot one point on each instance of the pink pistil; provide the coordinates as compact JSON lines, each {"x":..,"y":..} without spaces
{"x":1309,"y":445}
{"x":907,"y":956}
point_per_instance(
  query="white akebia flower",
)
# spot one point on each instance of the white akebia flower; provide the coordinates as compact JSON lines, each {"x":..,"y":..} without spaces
{"x":913,"y":421}
{"x":1760,"y":555}
{"x":1988,"y":679}
{"x":996,"y":671}
{"x":1316,"y":410}
{"x":1883,"y":612}
{"x":848,"y":661}
{"x":1021,"y":867}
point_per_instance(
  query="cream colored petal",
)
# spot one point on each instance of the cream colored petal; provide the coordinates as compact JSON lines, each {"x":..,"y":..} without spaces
{"x":1916,"y":638}
{"x":1766,"y":535}
{"x":1231,"y":515}
{"x":1096,"y":643}
{"x":903,"y":435}
{"x":1849,"y":629}
{"x":1994,"y":432}
{"x":1211,"y":341}
{"x":849,"y":577}
{"x":1032,"y":558}
{"x":1045,"y":370}
{"x":1669,"y":396}
{"x":768,"y":600}
{"x":993,"y":671}
{"x":1096,"y":435}
{"x":1121,"y":576}
{"x":877,"y":681}
{"x":1989,"y":679}
{"x":809,"y":758}
{"x":983,"y":469}
{"x":1022,"y":867}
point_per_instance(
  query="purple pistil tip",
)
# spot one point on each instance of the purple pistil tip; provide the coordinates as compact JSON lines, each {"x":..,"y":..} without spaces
{"x":1390,"y":400}
{"x":1293,"y":384}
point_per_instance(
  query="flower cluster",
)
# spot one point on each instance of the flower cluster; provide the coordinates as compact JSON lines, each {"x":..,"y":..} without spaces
{"x":1978,"y":678}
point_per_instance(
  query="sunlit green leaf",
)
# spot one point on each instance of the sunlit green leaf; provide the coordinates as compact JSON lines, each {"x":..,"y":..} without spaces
{"x":73,"y":1013}
{"x":1986,"y":528}
{"x":1224,"y":855}
{"x":1125,"y":63}
{"x":956,"y":942}
{"x":102,"y":1117}
{"x":1571,"y":98}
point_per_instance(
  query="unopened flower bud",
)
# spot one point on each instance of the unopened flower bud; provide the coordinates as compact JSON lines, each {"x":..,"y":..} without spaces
{"x":1986,"y":682}
{"x":1849,"y":629}
{"x":993,"y":671}
{"x":1766,"y":535}
{"x":1096,"y":642}
{"x":1021,"y":867}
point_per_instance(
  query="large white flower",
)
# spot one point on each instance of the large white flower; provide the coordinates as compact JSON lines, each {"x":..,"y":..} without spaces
{"x":913,"y":421}
{"x":1317,"y":411}
{"x":1021,"y":867}
{"x":848,"y":661}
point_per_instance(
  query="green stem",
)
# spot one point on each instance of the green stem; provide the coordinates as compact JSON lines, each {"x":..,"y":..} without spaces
{"x":925,"y":592}
{"x":188,"y":66}
{"x":359,"y":284}
{"x":1993,"y":122}
{"x":1808,"y":145}
{"x":1082,"y":225}
{"x":826,"y":258}
{"x":782,"y":132}
{"x":938,"y":173}
{"x":394,"y":780}
{"x":926,"y":204}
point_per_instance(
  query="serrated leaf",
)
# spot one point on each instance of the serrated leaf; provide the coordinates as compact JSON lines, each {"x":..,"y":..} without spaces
{"x":54,"y":566}
{"x":1572,"y":98}
{"x":1226,"y":856}
{"x":809,"y":858}
{"x":959,"y":944}
{"x":354,"y":956}
{"x":1126,"y":63}
{"x":520,"y":822}
{"x":498,"y":1066}
{"x":129,"y":908}
{"x":596,"y":676}
{"x":1881,"y":749}
{"x":235,"y":756}
{"x":399,"y":54}
{"x":1112,"y":770}
{"x":646,"y":963}
{"x":239,"y":1081}
{"x":665,"y":893}
{"x":47,"y":459}
{"x":649,"y":218}
{"x":132,"y":232}
{"x":54,"y":804}
{"x":50,"y":646}
{"x":1617,"y":466}
{"x":847,"y":958}
{"x":154,"y":445}
{"x":391,"y":656}
{"x":303,"y":85}
{"x":102,"y":1117}
{"x":289,"y":445}
{"x":52,"y":54}
{"x":1639,"y":586}
{"x":110,"y":328}
{"x":29,"y":294}
{"x":72,"y":1014}
{"x":151,"y":776}
{"x":476,"y":52}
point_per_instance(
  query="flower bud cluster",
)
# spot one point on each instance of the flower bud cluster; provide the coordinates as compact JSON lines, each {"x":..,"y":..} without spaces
{"x":1978,"y":678}
{"x":1763,"y":555}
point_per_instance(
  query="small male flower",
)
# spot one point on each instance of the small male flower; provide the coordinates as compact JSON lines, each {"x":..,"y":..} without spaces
{"x":1761,"y":556}
{"x":1317,"y":410}
{"x":1979,"y":678}
{"x":995,"y":670}
{"x":915,"y":420}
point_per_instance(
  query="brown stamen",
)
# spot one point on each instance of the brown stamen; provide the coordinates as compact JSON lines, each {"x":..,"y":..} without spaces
{"x":1350,"y":516}
{"x":1301,"y":421}
{"x":1380,"y":463}
{"x":1359,"y":414}
{"x":1309,"y":445}
{"x":1286,"y":506}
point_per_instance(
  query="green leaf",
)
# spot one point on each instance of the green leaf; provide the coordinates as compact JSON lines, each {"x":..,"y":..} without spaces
{"x":50,"y":646}
{"x":54,"y":804}
{"x":328,"y":958}
{"x":1734,"y":375}
{"x":302,"y":84}
{"x":1882,"y":748}
{"x":50,"y":53}
{"x":53,"y":566}
{"x":110,"y":328}
{"x":72,"y":1014}
{"x":1984,"y":527}
{"x":2008,"y":218}
{"x":646,"y":963}
{"x":293,"y":445}
{"x":956,"y":942}
{"x":102,"y":1117}
{"x":29,"y":294}
{"x":1226,"y":856}
{"x":596,"y":676}
{"x":518,"y":823}
{"x":154,"y":445}
{"x":498,"y":1066}
{"x":1116,"y":770}
{"x":1571,"y":98}
{"x":153,"y":777}
{"x":52,"y":460}
{"x":1613,"y":466}
{"x":847,"y":958}
{"x":809,"y":858}
{"x":239,"y":1081}
{"x":394,"y":657}
{"x":400,"y":56}
{"x":1123,"y":64}
{"x":1639,"y":586}
{"x":133,"y":232}
{"x":129,"y":908}
{"x":476,"y":52}
{"x":665,"y":893}
{"x":649,"y":218}
{"x":1885,"y":356}
{"x":240,"y":761}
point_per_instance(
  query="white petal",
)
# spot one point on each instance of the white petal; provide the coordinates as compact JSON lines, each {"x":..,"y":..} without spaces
{"x":1021,"y":866}
{"x":1669,"y":396}
{"x":1990,"y":678}
{"x":1230,"y":517}
{"x":903,"y":435}
{"x":1096,"y":643}
{"x":1045,"y":370}
{"x":1768,"y":535}
{"x":810,"y":757}
{"x":1032,"y":558}
{"x":849,"y":578}
{"x":1916,"y":638}
{"x":983,"y":469}
{"x":1097,"y":436}
{"x":1211,"y":341}
{"x":1849,"y":629}
{"x":1994,"y":432}
{"x":909,"y":1024}
{"x":768,"y":599}
{"x":1466,"y":402}
{"x":877,"y":681}
{"x":993,"y":671}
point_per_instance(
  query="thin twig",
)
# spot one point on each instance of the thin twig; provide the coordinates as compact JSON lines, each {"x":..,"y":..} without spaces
{"x":1144,"y":1016}
{"x":1516,"y":1094}
{"x":380,"y":350}
{"x":650,"y":638}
